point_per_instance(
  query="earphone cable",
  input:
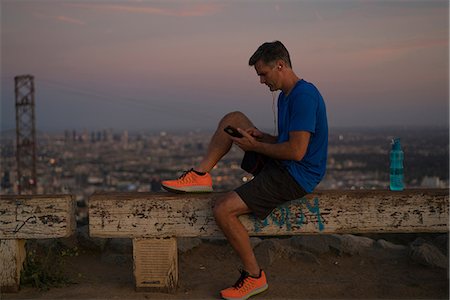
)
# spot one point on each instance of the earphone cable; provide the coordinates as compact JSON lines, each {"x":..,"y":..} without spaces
{"x":274,"y":115}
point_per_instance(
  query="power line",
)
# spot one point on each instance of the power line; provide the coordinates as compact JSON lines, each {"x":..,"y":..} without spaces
{"x":177,"y":111}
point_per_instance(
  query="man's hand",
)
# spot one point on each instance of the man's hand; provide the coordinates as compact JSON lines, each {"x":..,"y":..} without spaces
{"x":249,"y":140}
{"x":254,"y":132}
{"x":293,"y":149}
{"x":262,"y":136}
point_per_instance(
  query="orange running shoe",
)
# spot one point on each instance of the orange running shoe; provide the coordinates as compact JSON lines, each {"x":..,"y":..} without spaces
{"x":246,"y":287}
{"x":189,"y":182}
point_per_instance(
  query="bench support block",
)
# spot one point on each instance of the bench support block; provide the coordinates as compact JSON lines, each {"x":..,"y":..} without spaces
{"x":155,"y":263}
{"x":12,"y":256}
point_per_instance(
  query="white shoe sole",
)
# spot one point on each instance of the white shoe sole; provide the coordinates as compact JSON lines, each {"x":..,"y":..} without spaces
{"x":189,"y":189}
{"x":255,"y":292}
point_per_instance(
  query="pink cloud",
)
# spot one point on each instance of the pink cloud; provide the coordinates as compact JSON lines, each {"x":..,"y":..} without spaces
{"x":191,"y":11}
{"x":69,"y":20}
{"x":421,"y":43}
{"x":401,"y":47}
{"x":61,"y":18}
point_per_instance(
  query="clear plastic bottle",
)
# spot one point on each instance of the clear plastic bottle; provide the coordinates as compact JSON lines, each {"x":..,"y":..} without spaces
{"x":396,"y":166}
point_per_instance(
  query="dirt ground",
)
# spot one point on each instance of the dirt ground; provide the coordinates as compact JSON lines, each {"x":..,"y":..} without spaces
{"x":212,"y":266}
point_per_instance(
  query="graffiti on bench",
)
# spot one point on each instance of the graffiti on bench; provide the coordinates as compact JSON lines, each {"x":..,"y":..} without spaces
{"x":291,"y":215}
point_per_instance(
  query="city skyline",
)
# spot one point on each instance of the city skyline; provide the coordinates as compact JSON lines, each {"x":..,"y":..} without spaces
{"x":104,"y":161}
{"x":170,"y":65}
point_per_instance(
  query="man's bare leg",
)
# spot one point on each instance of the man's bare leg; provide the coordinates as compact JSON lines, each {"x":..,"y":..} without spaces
{"x":220,"y":142}
{"x":226,"y":211}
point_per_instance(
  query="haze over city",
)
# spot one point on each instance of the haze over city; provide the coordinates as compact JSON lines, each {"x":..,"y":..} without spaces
{"x":176,"y":64}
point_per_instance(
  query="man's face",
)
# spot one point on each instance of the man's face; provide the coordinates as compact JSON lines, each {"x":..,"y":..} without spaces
{"x":268,"y":75}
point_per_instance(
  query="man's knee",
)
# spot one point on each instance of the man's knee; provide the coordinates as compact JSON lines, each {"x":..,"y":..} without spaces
{"x":229,"y":205}
{"x":235,"y":115}
{"x":235,"y":118}
{"x":220,"y":208}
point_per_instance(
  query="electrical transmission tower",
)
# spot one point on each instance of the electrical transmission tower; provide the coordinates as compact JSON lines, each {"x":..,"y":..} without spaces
{"x":25,"y":134}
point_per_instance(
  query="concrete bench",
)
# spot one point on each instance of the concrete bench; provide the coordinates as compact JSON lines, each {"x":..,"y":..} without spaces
{"x":155,"y":220}
{"x":25,"y":217}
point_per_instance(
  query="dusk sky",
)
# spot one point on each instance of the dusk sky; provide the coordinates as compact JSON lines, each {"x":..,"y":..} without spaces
{"x":184,"y":64}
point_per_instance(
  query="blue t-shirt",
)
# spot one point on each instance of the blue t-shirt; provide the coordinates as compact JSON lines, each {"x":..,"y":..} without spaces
{"x":304,"y":110}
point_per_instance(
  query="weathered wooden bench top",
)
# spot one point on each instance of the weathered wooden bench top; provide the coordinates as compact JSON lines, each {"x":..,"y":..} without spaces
{"x":188,"y":215}
{"x":36,"y":216}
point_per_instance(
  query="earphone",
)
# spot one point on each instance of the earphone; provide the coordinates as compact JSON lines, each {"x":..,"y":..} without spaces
{"x":274,"y":114}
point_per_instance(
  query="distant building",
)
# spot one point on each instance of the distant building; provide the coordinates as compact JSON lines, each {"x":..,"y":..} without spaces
{"x":124,"y":139}
{"x":6,"y":181}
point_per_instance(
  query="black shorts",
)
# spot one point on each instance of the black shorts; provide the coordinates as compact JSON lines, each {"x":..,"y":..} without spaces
{"x":272,"y":185}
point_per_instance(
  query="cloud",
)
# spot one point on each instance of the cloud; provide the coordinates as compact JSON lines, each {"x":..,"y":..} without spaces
{"x":60,"y":18}
{"x":318,"y":16}
{"x":400,"y":48}
{"x":70,"y":20}
{"x":187,"y":11}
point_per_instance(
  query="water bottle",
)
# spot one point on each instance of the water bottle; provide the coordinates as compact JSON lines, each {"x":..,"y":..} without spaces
{"x":396,"y":166}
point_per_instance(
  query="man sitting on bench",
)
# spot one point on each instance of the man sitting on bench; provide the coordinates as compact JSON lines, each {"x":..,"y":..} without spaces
{"x":285,"y":167}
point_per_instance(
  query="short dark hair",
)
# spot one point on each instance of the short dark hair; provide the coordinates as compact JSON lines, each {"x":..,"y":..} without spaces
{"x":270,"y":52}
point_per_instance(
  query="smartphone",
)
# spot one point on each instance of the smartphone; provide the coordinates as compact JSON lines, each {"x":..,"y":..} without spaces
{"x":232,"y":131}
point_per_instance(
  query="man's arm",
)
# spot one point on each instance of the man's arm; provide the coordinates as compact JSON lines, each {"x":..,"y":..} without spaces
{"x":293,"y":149}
